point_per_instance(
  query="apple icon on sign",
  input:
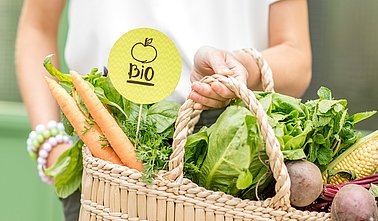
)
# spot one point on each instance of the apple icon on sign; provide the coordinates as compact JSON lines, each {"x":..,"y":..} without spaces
{"x":144,"y":52}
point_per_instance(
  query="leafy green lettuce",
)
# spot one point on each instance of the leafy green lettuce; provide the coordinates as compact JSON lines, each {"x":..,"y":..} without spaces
{"x":229,"y":155}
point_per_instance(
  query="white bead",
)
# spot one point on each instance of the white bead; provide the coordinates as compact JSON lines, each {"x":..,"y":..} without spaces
{"x":52,"y":124}
{"x":40,"y":168}
{"x":47,"y":147}
{"x":45,"y":179}
{"x":41,"y":161}
{"x":60,"y":126}
{"x":59,"y":138}
{"x":66,"y":139}
{"x":52,"y":141}
{"x":39,"y":128}
{"x":43,"y":153}
{"x":41,"y":174}
{"x":29,"y":142}
{"x":30,"y":148}
{"x":48,"y":181}
{"x":32,"y":134}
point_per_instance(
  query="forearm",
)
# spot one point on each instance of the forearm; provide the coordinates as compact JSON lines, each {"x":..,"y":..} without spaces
{"x":289,"y":51}
{"x":40,"y":105}
{"x":36,"y":38}
{"x":291,"y":68}
{"x":30,"y":53}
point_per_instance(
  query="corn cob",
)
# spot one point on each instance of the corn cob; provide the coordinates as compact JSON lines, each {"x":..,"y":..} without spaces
{"x":360,"y":159}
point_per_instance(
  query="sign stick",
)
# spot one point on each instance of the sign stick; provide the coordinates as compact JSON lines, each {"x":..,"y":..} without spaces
{"x":138,"y":124}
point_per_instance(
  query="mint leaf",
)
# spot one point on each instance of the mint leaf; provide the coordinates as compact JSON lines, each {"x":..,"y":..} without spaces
{"x":324,"y":93}
{"x":362,"y":116}
{"x":324,"y":155}
{"x":294,"y":154}
{"x":319,"y":139}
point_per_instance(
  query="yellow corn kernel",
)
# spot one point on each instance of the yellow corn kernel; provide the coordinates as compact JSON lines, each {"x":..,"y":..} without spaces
{"x":361,"y":158}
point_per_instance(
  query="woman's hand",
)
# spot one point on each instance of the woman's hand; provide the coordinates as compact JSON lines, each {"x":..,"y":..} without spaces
{"x":55,"y":153}
{"x":209,"y":61}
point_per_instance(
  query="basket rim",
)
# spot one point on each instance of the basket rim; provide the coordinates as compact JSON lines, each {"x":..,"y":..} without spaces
{"x":198,"y":196}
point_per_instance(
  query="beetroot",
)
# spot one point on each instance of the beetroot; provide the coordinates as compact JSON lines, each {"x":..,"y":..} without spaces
{"x":306,"y":182}
{"x":354,"y":203}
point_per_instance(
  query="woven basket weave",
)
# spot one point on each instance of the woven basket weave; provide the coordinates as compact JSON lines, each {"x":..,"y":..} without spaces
{"x":114,"y":192}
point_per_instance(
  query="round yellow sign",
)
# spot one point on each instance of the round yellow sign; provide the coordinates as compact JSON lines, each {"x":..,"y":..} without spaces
{"x":144,"y":66}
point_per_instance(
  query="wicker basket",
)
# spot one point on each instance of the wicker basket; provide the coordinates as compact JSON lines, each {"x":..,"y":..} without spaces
{"x":114,"y":192}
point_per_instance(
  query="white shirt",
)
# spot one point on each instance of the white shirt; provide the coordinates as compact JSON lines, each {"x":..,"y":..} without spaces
{"x":95,"y":25}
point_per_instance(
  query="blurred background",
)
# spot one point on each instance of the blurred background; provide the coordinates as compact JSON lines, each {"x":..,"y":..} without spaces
{"x":344,"y":39}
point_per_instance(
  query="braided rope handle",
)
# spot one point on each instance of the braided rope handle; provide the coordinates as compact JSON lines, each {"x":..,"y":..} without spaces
{"x":266,"y":72}
{"x":188,"y":117}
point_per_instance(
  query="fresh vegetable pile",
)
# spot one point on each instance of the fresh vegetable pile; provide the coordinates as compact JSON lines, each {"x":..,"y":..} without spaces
{"x":317,"y":139}
{"x":230,"y":156}
{"x":108,"y":127}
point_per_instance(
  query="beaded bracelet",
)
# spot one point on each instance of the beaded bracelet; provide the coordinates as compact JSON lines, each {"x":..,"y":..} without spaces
{"x":38,"y":136}
{"x":44,"y":153}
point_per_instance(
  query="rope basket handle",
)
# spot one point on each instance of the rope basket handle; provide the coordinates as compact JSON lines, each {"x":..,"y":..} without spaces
{"x":188,"y":117}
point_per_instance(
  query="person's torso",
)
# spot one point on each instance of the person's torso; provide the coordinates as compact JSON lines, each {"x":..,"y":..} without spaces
{"x":95,"y":25}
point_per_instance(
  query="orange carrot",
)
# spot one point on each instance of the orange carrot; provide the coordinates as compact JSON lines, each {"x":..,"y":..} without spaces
{"x":112,"y":131}
{"x":89,"y":133}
